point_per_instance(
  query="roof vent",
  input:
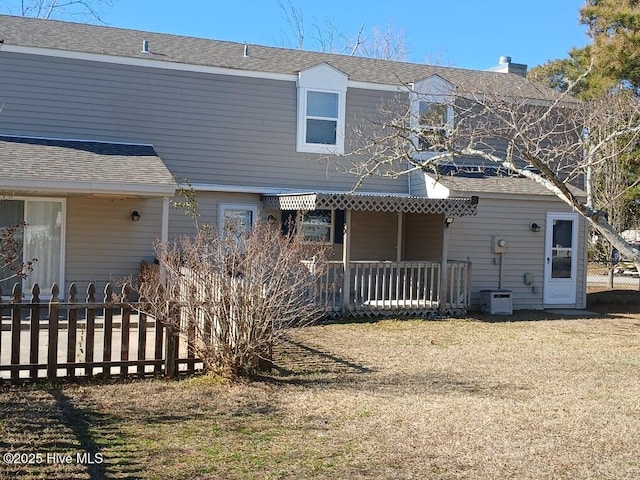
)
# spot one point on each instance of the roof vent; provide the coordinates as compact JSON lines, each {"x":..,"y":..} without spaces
{"x":145,"y":46}
{"x":245,"y":53}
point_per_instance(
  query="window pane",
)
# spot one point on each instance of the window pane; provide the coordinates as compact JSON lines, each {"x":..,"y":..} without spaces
{"x":316,"y":226}
{"x":43,"y":241}
{"x":322,"y":104}
{"x":321,"y":131}
{"x":562,"y":233}
{"x":11,"y":213}
{"x":432,"y":114}
{"x":433,"y":139}
{"x":238,"y":221}
{"x":561,"y":258}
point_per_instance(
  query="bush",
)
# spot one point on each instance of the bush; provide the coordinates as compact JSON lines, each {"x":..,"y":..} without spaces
{"x":233,"y":295}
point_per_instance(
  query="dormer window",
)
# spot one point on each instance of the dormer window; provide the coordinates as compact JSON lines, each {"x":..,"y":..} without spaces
{"x":321,"y":121}
{"x":433,"y":122}
{"x":322,"y":94}
{"x":432,"y":115}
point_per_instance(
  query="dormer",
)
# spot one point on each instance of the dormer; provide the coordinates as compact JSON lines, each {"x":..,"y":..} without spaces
{"x":432,"y":114}
{"x":322,"y":100}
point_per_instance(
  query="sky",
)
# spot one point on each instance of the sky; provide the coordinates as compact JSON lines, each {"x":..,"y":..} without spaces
{"x":462,"y":33}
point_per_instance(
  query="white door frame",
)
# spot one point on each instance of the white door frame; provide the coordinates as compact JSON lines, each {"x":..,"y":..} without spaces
{"x":561,"y":262}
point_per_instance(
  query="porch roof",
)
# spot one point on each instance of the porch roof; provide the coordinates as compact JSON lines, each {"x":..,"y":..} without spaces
{"x":80,"y":167}
{"x":372,"y":203}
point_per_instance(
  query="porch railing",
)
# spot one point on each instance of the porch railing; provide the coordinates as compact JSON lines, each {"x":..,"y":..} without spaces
{"x":387,"y":287}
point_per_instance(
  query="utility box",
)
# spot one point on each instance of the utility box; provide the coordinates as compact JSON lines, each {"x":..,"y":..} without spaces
{"x":496,"y":302}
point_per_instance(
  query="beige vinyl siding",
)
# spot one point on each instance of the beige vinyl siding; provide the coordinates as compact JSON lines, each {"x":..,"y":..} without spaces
{"x":211,"y":129}
{"x":207,"y":211}
{"x":374,"y":235}
{"x":510,"y":218}
{"x":423,"y":237}
{"x":103,"y":244}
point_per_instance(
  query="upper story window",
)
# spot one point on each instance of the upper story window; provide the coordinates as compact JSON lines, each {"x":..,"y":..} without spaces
{"x":433,"y":120}
{"x":322,"y":92}
{"x":432,"y":115}
{"x":322,"y":118}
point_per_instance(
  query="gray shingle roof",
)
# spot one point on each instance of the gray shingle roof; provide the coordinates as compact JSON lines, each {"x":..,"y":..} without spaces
{"x":203,"y":52}
{"x":497,"y":185}
{"x":510,"y":185}
{"x":93,"y":167}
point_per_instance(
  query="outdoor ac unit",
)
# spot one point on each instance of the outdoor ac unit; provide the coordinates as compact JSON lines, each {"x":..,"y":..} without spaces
{"x":496,"y":302}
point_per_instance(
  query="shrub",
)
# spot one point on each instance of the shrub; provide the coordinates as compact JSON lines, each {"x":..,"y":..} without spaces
{"x":233,"y":295}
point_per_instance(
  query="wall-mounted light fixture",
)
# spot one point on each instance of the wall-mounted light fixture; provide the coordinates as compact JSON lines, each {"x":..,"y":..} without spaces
{"x":135,"y":215}
{"x":448,"y":221}
{"x":534,"y":227}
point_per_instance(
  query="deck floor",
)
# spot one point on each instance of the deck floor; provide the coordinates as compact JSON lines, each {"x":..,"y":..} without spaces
{"x":80,"y":354}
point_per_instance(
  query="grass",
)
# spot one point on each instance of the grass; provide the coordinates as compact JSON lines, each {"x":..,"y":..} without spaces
{"x":539,"y":397}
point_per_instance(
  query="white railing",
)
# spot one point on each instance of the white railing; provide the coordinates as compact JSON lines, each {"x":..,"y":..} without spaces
{"x":394,"y":285}
{"x":458,"y":285}
{"x":386,"y":286}
{"x":327,"y":291}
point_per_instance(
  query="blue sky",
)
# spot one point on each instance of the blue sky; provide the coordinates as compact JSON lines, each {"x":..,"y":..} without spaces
{"x":462,"y":33}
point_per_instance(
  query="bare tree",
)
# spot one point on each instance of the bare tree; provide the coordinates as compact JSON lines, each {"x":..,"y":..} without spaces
{"x":233,"y":295}
{"x":388,"y":43}
{"x":543,"y":135}
{"x":82,"y":9}
{"x":12,"y":265}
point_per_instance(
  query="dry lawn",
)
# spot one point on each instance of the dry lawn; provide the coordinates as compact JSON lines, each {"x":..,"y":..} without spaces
{"x":473,"y":398}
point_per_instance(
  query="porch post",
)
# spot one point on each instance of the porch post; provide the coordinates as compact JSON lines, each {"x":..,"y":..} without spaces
{"x":444,"y":273}
{"x":164,"y":231}
{"x":400,"y":238}
{"x":346,"y":259}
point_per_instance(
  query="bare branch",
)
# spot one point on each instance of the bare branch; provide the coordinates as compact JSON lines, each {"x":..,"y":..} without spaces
{"x":540,"y":136}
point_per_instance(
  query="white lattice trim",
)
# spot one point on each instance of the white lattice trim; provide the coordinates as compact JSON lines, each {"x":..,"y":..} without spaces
{"x":372,"y":203}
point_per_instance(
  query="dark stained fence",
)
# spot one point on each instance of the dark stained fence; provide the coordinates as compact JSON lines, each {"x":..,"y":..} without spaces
{"x":83,"y":339}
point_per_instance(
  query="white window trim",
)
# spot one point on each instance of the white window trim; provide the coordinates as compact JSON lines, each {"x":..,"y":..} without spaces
{"x":433,"y":89}
{"x":222,"y":207}
{"x":326,"y":79}
{"x":45,"y":290}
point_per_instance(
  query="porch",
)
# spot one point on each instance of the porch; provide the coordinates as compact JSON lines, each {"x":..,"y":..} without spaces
{"x":393,"y":288}
{"x":388,"y":252}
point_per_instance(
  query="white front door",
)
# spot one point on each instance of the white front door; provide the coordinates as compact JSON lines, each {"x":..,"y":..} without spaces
{"x":561,"y":258}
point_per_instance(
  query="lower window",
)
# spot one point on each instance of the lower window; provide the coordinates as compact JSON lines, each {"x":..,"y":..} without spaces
{"x":236,"y":220}
{"x":322,"y":226}
{"x":316,"y":226}
{"x":42,"y":240}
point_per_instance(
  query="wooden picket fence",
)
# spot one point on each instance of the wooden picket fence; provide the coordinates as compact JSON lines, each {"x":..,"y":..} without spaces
{"x":74,"y":339}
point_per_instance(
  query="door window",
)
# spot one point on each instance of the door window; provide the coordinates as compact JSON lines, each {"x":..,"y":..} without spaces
{"x":561,"y":252}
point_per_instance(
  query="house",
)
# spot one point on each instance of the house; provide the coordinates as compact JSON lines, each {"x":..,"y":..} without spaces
{"x":100,"y":127}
